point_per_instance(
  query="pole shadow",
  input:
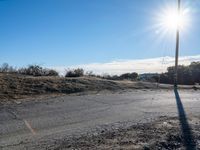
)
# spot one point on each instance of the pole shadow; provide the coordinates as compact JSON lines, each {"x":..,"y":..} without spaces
{"x":188,"y":139}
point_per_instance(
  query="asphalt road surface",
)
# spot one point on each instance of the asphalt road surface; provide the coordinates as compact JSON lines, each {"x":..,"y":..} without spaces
{"x":38,"y":124}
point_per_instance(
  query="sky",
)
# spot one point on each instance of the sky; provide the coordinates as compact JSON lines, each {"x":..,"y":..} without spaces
{"x":71,"y":33}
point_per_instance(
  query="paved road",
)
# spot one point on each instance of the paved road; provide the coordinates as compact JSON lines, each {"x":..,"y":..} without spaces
{"x":29,"y":124}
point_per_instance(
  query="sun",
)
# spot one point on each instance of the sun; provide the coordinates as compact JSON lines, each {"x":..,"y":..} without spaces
{"x":171,"y":19}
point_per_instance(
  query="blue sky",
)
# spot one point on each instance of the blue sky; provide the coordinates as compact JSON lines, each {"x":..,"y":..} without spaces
{"x":74,"y":32}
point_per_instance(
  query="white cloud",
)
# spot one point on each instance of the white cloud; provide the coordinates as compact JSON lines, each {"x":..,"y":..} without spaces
{"x":151,"y":65}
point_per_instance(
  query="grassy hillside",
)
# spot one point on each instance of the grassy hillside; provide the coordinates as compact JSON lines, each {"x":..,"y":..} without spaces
{"x":15,"y":86}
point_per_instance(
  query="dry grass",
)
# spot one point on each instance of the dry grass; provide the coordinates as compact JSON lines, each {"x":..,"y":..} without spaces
{"x":14,"y":86}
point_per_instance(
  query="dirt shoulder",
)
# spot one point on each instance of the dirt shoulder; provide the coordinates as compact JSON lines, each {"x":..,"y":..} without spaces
{"x":14,"y":86}
{"x":164,"y":133}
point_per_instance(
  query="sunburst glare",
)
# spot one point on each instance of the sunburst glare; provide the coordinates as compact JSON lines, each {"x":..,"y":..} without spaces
{"x":170,"y":19}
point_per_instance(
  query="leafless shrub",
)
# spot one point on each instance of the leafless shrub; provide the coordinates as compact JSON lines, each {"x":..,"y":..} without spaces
{"x":33,"y":70}
{"x":7,"y":69}
{"x":90,"y":74}
{"x":36,"y":70}
{"x":75,"y":72}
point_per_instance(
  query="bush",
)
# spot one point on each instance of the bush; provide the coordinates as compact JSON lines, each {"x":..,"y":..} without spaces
{"x":129,"y":76}
{"x":90,"y":74}
{"x":52,"y":72}
{"x":35,"y":70}
{"x":75,"y":73}
{"x":5,"y":68}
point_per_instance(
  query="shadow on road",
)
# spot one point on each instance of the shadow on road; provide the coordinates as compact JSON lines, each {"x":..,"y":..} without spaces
{"x":186,"y":131}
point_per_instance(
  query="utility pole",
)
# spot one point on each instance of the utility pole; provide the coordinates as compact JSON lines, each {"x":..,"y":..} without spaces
{"x":177,"y":46}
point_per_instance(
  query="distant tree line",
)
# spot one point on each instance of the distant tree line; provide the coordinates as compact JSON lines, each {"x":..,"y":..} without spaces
{"x":36,"y":70}
{"x":188,"y":75}
{"x":80,"y":72}
{"x":126,"y":76}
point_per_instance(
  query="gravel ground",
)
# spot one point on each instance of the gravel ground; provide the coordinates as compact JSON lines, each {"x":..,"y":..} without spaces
{"x":164,"y":133}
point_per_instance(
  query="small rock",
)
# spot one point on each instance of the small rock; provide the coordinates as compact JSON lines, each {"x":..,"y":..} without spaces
{"x":17,"y":102}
